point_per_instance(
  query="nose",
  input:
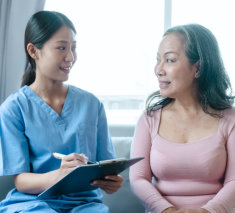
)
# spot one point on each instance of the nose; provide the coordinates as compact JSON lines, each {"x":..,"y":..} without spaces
{"x":159,"y":71}
{"x":70,"y":56}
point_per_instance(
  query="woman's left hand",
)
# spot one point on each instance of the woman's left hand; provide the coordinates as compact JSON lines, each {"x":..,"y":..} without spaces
{"x":192,"y":211}
{"x":111,"y":183}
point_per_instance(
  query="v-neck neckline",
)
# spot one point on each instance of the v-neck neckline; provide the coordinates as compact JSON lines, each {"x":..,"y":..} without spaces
{"x":47,"y":108}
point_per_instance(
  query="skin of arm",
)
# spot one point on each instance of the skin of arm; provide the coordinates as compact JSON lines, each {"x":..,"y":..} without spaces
{"x":33,"y":183}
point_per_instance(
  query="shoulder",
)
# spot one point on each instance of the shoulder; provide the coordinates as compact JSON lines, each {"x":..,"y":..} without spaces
{"x":150,"y":118}
{"x":228,"y":119}
{"x":229,"y":111}
{"x":229,"y":115}
{"x":80,"y":93}
{"x":84,"y":98}
{"x":14,"y":101}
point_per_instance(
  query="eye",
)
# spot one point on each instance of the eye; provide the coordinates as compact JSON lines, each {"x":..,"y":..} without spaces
{"x":61,"y":48}
{"x":169,"y":60}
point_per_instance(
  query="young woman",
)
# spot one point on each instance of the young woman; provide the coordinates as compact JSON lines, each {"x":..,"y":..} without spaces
{"x":187,"y":134}
{"x":47,"y":116}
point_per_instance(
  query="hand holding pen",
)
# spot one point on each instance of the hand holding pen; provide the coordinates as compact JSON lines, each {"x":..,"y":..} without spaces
{"x":60,"y":156}
{"x":107,"y":185}
{"x":70,"y":162}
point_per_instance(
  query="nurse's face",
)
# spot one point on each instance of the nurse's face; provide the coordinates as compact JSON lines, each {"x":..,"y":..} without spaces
{"x":57,"y":56}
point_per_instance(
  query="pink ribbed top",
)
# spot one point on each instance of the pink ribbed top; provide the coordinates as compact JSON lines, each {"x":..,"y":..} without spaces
{"x":198,"y":174}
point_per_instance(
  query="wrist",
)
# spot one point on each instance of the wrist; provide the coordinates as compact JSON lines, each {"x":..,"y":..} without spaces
{"x":169,"y":210}
{"x":204,"y":211}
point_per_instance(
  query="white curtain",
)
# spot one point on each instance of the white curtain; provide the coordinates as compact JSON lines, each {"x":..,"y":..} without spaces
{"x":14,"y":15}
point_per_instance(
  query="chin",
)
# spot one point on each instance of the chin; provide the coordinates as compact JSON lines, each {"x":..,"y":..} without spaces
{"x":64,"y":79}
{"x":166,"y":94}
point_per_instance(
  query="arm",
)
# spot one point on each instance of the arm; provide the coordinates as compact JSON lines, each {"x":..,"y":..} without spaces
{"x":141,"y":174}
{"x":15,"y":157}
{"x":33,"y":183}
{"x":224,"y":201}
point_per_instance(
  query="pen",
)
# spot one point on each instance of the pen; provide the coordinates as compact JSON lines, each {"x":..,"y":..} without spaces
{"x":60,"y":156}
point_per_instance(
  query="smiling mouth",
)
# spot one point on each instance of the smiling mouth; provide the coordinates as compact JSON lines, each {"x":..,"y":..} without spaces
{"x":66,"y":69}
{"x":164,"y":84}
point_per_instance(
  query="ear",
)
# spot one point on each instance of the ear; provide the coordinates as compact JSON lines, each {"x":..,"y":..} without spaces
{"x":197,"y":66}
{"x":32,"y":50}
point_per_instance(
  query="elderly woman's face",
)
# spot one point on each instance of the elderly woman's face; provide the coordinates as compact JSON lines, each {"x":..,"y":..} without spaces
{"x":175,"y":74}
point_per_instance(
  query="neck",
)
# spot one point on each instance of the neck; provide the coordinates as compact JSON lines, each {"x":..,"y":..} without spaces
{"x":49,"y":90}
{"x":186,"y":106}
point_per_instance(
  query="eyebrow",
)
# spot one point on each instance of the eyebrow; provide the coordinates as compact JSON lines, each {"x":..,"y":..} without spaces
{"x":64,"y":42}
{"x":170,"y":52}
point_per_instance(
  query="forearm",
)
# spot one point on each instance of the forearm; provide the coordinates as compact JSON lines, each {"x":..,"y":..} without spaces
{"x":224,"y":200}
{"x":149,"y":196}
{"x":141,"y":173}
{"x":33,"y":183}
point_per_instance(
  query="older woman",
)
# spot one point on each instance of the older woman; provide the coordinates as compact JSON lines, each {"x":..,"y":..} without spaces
{"x":187,"y":133}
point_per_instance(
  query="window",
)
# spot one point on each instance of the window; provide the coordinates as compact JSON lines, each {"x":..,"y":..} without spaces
{"x":117,"y":44}
{"x":118,"y":40}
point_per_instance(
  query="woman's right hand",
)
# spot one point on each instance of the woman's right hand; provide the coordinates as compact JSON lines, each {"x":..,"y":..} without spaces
{"x":169,"y":210}
{"x":34,"y":183}
{"x":70,"y":162}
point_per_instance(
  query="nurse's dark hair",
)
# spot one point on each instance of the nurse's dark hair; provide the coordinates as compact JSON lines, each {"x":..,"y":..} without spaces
{"x":213,"y":83}
{"x":40,"y":28}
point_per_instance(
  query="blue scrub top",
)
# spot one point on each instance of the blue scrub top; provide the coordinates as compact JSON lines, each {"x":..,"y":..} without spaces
{"x":31,"y":131}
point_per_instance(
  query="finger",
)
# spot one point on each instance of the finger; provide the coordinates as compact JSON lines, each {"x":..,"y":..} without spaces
{"x":108,"y":189}
{"x":107,"y":184}
{"x":116,"y":178}
{"x":83,"y":157}
{"x":71,"y":164}
{"x":75,"y":156}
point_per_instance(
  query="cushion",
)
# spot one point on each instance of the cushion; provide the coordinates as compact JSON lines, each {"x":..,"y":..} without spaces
{"x":123,"y":200}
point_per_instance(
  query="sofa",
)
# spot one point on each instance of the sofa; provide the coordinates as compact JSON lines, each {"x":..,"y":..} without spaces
{"x":123,"y":201}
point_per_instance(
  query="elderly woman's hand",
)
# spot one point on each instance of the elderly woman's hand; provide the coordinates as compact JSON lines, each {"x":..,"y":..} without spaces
{"x":192,"y":211}
{"x":170,"y":210}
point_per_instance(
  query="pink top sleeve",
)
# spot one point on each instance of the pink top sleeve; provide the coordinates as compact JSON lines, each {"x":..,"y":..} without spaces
{"x":141,"y":174}
{"x":224,"y":201}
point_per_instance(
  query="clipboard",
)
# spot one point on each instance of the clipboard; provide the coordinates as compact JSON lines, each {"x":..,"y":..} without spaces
{"x":80,"y":178}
